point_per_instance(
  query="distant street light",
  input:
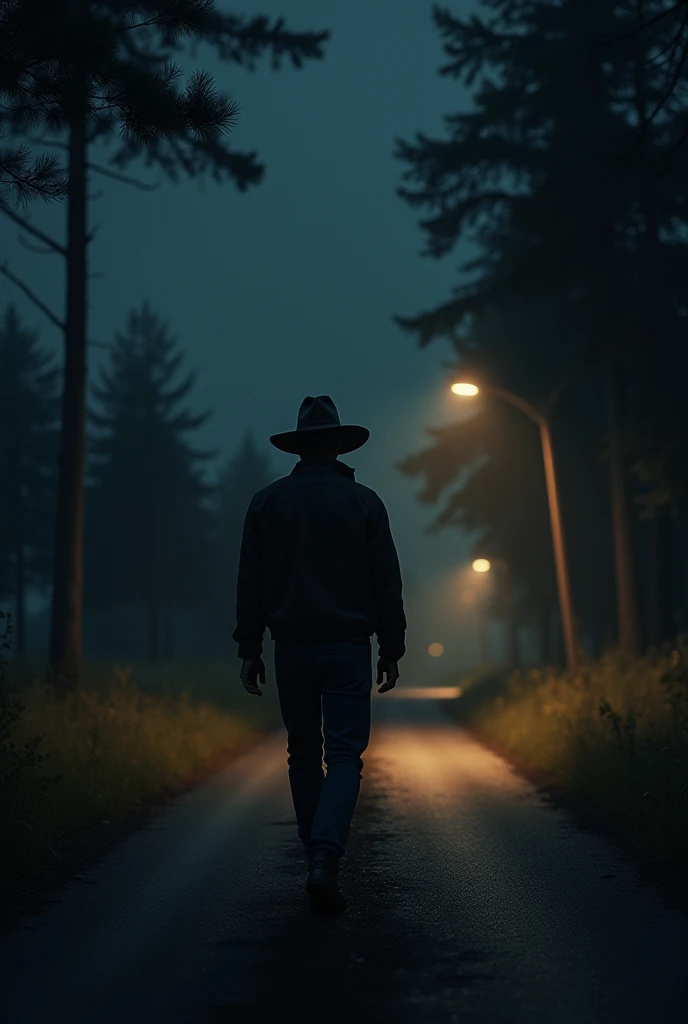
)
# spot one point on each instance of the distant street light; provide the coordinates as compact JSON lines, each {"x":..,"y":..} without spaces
{"x":568,"y":621}
{"x":485,"y":565}
{"x":482,"y":566}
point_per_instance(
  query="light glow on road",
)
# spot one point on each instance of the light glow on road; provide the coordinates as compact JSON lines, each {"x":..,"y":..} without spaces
{"x":426,"y":692}
{"x":435,"y":650}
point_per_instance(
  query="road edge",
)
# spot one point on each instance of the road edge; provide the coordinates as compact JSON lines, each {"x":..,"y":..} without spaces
{"x":36,"y":892}
{"x":670,"y":883}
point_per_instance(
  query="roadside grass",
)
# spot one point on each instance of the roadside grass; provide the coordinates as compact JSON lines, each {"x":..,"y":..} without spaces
{"x":614,"y":736}
{"x":208,"y":680}
{"x":128,"y":735}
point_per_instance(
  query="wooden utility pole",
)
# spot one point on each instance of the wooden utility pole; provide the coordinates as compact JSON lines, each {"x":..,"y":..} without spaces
{"x":568,"y":619}
{"x":628,"y":610}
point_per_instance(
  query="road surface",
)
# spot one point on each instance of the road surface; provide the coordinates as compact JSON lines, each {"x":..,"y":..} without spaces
{"x":472,"y":900}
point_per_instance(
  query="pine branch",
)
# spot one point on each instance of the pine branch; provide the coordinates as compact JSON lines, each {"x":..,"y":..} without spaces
{"x":4,"y":269}
{"x":23,"y":223}
{"x":26,"y":178}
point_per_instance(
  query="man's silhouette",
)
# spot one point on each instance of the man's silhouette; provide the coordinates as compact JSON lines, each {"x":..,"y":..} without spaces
{"x":319,"y":568}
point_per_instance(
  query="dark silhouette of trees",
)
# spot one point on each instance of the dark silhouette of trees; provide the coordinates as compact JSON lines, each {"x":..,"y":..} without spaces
{"x":553,"y":177}
{"x":244,"y":473}
{"x":29,"y":409}
{"x":117,"y":82}
{"x":148,"y":523}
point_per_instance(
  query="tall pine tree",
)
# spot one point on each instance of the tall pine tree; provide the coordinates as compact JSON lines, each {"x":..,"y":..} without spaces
{"x":549,"y":176}
{"x":29,"y":409}
{"x":148,"y":524}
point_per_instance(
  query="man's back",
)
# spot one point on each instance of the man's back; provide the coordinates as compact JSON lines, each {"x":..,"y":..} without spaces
{"x":318,"y":560}
{"x":319,"y":567}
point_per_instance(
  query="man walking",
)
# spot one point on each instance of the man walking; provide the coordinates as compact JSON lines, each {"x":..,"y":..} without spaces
{"x":319,"y":568}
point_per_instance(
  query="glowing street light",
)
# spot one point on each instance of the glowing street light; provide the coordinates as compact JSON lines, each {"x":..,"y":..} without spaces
{"x":435,"y":650}
{"x":467,"y":390}
{"x":485,"y":565}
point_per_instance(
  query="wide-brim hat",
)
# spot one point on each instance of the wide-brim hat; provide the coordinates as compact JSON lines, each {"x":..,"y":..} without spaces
{"x":320,"y":414}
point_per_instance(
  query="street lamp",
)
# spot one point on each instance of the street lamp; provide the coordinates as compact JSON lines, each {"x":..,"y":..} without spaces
{"x":464,"y":389}
{"x":485,"y":565}
{"x":467,"y":390}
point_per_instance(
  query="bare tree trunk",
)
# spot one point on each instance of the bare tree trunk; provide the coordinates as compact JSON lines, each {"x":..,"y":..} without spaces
{"x":661,"y":625}
{"x":65,"y":644}
{"x":15,"y":483}
{"x":628,"y":612}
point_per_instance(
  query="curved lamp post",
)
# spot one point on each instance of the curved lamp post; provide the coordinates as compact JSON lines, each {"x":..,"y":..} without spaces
{"x":485,"y":565}
{"x":568,"y":621}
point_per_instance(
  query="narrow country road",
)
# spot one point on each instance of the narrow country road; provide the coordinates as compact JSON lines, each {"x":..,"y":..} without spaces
{"x":472,"y":900}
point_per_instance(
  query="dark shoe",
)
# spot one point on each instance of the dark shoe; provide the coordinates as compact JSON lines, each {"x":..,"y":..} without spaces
{"x":321,"y":885}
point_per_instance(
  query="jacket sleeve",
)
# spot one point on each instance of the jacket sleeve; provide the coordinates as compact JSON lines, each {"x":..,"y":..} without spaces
{"x":387,"y":585}
{"x":249,"y":606}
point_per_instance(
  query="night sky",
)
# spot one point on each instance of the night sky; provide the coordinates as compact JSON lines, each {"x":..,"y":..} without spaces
{"x":290,"y":289}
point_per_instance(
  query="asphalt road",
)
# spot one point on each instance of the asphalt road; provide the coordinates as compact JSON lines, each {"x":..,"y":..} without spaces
{"x":472,"y":900}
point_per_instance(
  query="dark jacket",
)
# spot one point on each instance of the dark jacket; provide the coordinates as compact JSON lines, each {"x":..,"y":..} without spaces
{"x":318,"y":562}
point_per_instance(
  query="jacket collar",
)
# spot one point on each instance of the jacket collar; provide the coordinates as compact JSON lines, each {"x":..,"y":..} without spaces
{"x":323,"y":465}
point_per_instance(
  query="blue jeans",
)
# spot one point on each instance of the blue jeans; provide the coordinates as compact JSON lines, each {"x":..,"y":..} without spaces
{"x":324,"y":687}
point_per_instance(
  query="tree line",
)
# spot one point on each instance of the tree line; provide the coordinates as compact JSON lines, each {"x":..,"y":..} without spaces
{"x":79,"y":73}
{"x":163,"y":517}
{"x":567,"y":177}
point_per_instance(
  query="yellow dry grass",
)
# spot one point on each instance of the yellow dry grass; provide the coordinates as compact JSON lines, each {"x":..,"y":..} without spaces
{"x":108,"y":746}
{"x":615,"y":735}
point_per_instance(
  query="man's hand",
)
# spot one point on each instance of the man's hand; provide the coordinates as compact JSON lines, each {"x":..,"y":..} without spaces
{"x":252,"y":670}
{"x":391,"y":670}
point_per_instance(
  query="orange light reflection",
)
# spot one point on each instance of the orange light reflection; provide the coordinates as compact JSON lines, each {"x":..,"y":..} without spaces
{"x":427,"y":692}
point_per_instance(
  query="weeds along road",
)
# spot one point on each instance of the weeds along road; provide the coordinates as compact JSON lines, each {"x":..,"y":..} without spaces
{"x":472,"y":900}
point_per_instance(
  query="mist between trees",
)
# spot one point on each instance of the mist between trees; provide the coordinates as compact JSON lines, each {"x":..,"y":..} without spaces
{"x":74,"y":75}
{"x":163,"y":517}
